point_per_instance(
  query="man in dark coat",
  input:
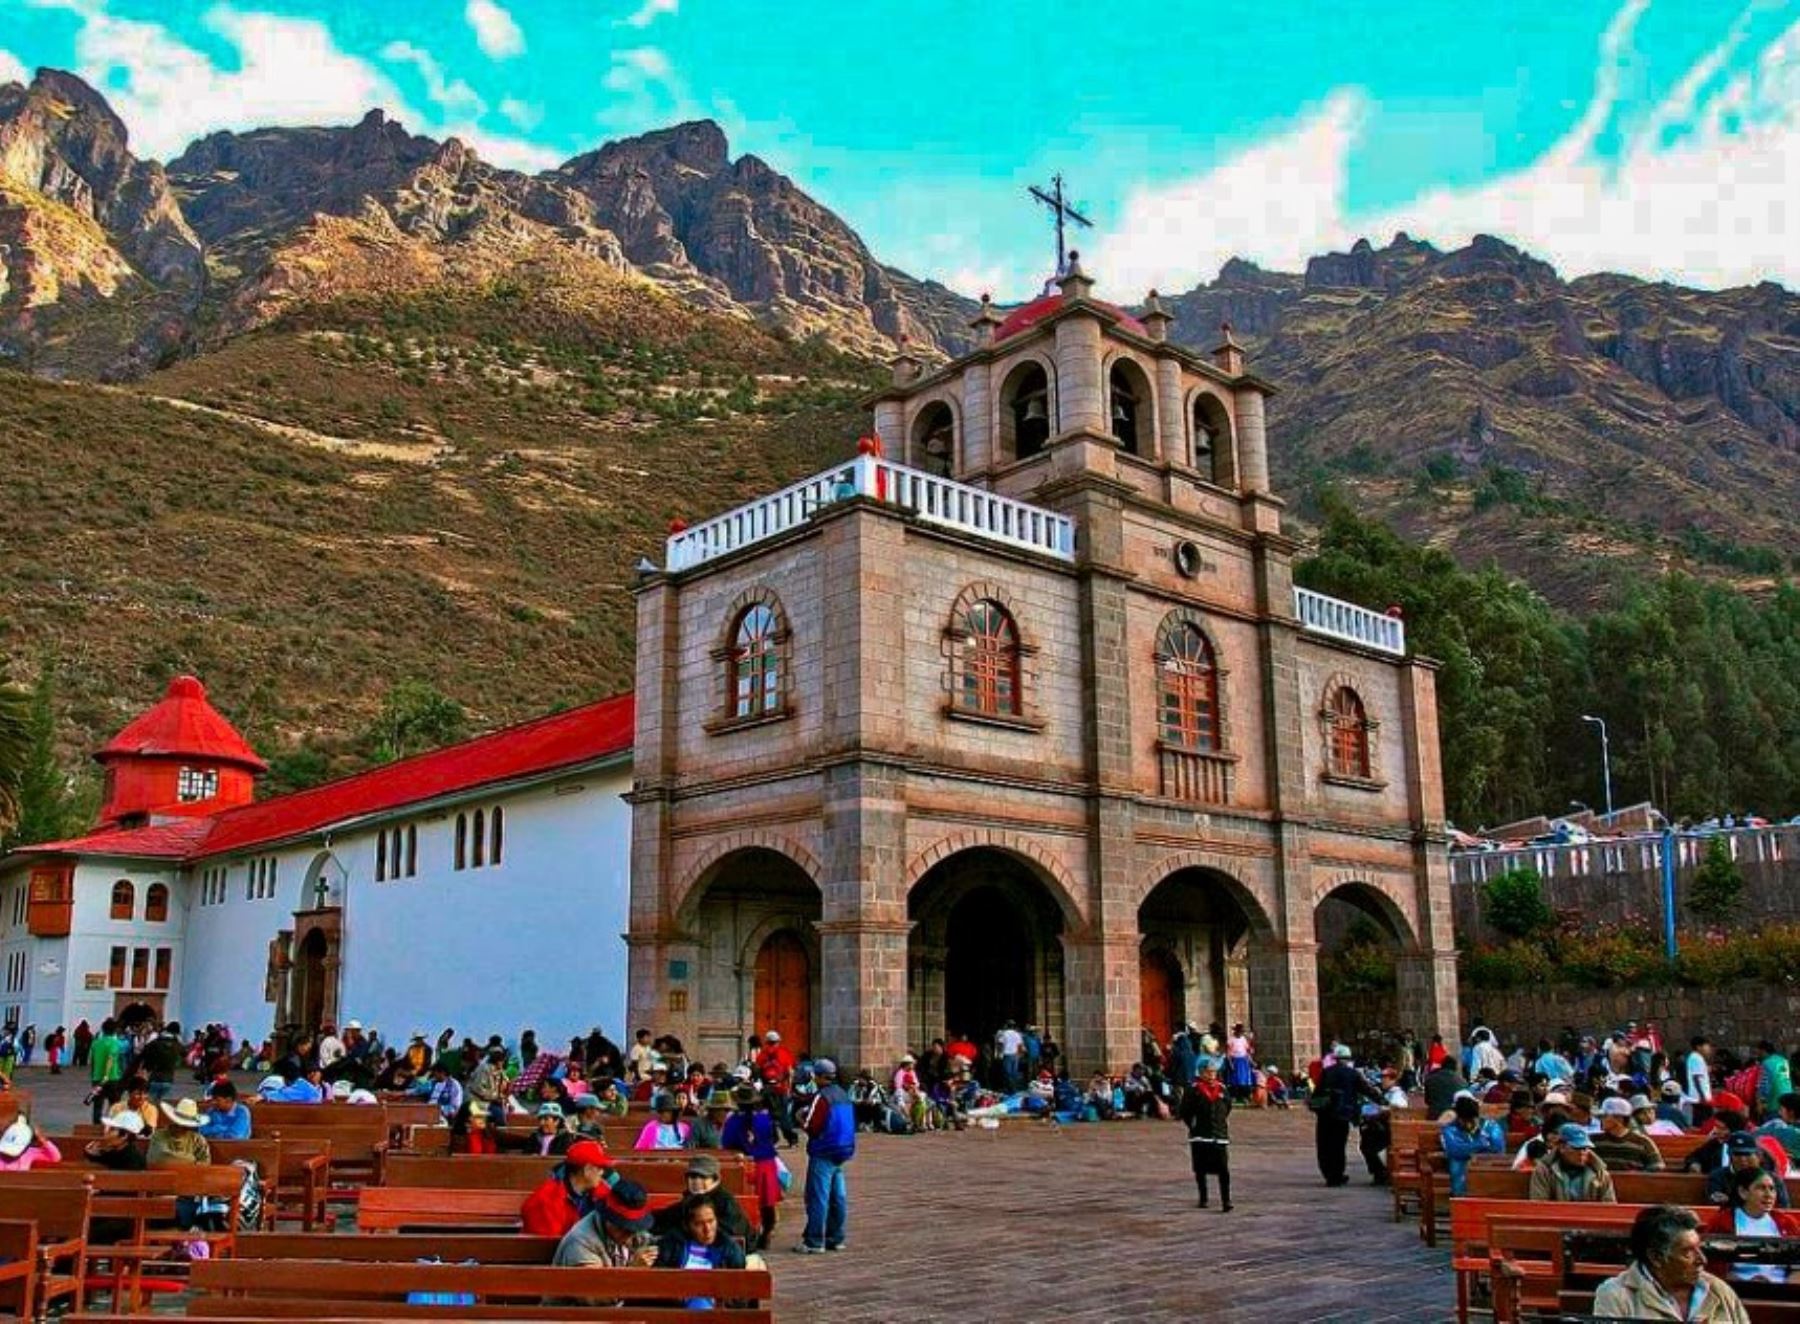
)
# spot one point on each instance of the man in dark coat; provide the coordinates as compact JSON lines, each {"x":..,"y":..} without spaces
{"x":1343,"y":1088}
{"x":703,"y":1187}
{"x":1442,"y":1086}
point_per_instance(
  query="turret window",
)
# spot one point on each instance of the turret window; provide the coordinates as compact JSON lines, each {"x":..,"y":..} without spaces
{"x":193,"y":785}
{"x":1213,"y":455}
{"x":1129,"y":411}
{"x":1026,"y":419}
{"x":124,"y":899}
{"x":156,"y":904}
{"x":934,"y":440}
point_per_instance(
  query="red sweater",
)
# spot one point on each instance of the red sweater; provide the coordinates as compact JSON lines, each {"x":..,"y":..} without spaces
{"x":548,"y":1211}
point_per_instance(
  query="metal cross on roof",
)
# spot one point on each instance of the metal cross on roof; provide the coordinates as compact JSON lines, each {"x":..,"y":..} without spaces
{"x":1064,"y":211}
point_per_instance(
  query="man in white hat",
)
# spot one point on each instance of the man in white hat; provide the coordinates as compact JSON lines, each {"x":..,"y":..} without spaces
{"x":1621,"y":1145}
{"x":117,"y":1146}
{"x":179,"y":1143}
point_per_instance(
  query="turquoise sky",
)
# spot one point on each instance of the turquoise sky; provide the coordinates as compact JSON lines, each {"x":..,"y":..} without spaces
{"x":1654,"y":136}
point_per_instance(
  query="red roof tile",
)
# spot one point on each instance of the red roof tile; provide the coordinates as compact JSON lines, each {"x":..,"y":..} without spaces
{"x":562,"y":740}
{"x":1028,"y":315}
{"x":183,"y":725}
{"x":170,"y":841}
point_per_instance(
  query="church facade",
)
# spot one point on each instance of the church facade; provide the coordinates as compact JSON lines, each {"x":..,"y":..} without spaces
{"x":1020,"y":716}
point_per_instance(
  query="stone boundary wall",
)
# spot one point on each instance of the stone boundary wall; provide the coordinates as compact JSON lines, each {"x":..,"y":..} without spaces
{"x":1610,"y":883}
{"x":1733,"y":1017}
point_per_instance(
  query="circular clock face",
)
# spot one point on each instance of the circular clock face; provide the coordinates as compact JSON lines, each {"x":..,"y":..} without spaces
{"x":1187,"y":559}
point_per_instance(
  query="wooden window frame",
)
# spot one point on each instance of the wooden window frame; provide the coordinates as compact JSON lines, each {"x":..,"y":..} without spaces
{"x":155,"y":913}
{"x":129,"y":904}
{"x":496,"y":834}
{"x":1188,"y":690}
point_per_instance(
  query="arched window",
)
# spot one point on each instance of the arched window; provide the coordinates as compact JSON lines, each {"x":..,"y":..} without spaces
{"x":1130,"y":408}
{"x":156,"y":904}
{"x":381,"y":856}
{"x":934,"y":440}
{"x":496,"y":835}
{"x":1213,"y":455}
{"x":756,"y":662}
{"x":124,"y":899}
{"x":989,"y":682}
{"x":394,"y":844}
{"x":479,"y":832}
{"x":412,"y":850}
{"x":462,"y":841}
{"x":1349,"y":725}
{"x":1025,"y":412}
{"x":1188,"y":688}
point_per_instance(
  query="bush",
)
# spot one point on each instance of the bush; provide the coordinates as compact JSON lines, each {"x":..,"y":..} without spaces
{"x":1718,"y":888}
{"x":1613,"y":958}
{"x":1516,"y":964}
{"x":1358,"y":968}
{"x":1514,"y":903}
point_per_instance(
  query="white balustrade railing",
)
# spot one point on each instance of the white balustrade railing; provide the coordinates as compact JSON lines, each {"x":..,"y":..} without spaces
{"x":933,"y":500}
{"x":1353,"y":624}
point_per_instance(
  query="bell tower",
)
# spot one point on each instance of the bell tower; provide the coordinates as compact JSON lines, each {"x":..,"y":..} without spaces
{"x":180,"y":759}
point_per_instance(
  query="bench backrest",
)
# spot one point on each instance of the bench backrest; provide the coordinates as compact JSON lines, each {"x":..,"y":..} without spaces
{"x":390,"y":1208}
{"x":60,"y":1211}
{"x":399,"y":1248}
{"x":328,"y":1289}
{"x":524,"y":1173}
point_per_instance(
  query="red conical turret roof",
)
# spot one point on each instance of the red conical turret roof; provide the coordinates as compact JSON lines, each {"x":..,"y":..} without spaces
{"x":183,"y":725}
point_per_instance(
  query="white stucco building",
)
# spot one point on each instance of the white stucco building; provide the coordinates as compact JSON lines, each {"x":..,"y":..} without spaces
{"x":483,"y":886}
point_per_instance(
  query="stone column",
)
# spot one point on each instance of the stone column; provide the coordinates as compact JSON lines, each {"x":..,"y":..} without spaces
{"x":1101,"y":1002}
{"x":862,"y":991}
{"x":1284,"y":982}
{"x":1252,"y":442}
{"x":890,"y":426}
{"x":1427,"y":994}
{"x":1080,"y":394}
{"x":977,"y":421}
{"x":1171,"y":417}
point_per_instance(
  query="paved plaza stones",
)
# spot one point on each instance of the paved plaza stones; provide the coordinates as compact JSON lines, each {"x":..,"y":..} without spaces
{"x":1079,"y":1223}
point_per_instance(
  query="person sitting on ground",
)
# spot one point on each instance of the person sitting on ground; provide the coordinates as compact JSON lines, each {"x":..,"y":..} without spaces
{"x":1754,"y":1209}
{"x":704,"y":1186}
{"x":1785,"y":1125}
{"x":665,"y":1130}
{"x":868,"y":1099}
{"x":137,"y":1100}
{"x":226,"y":1118}
{"x":1620,"y":1145}
{"x":1643,"y":1116}
{"x":614,"y":1234}
{"x":547,"y":1138}
{"x":1100,"y":1096}
{"x":1573,"y":1172}
{"x":1464,"y":1136}
{"x":1742,"y":1153}
{"x":1667,"y":1278}
{"x":22,"y":1148}
{"x":178,"y":1143}
{"x":117,"y":1146}
{"x":568,"y":1194}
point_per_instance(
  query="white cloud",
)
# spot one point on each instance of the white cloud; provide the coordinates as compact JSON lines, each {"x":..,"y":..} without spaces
{"x":502,"y":150}
{"x":651,"y":10}
{"x":453,"y":94}
{"x":12,"y":69}
{"x":648,"y":92}
{"x":525,"y":114}
{"x":496,"y":31}
{"x":1704,"y":188}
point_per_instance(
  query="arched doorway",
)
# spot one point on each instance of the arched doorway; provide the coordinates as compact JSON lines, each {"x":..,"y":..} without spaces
{"x":1361,"y":936}
{"x":309,"y":971}
{"x":784,"y":989}
{"x":1160,"y":994}
{"x":1206,"y":925}
{"x":985,"y":949}
{"x":750,"y":962}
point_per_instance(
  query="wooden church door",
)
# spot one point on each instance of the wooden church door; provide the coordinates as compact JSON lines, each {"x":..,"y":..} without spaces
{"x":784,"y":990}
{"x":1160,"y":982}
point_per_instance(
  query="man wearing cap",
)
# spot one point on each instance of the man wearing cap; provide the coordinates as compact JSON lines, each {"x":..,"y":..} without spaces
{"x":179,"y":1143}
{"x":1620,"y":1145}
{"x":704,"y":1187}
{"x":226,"y":1118}
{"x":1670,"y":1106}
{"x":590,"y":1117}
{"x":1643,"y":1113}
{"x":117,"y":1146}
{"x":547,"y":1139}
{"x":1342,"y":1088}
{"x":1572,"y":1172}
{"x":830,"y":1125}
{"x":616,"y":1234}
{"x":1743,"y":1153}
{"x":563,"y":1198}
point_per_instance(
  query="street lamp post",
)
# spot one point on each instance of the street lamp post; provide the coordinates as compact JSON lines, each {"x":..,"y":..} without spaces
{"x":1605,"y":758}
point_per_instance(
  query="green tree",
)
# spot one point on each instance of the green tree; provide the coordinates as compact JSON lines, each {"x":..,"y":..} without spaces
{"x":51,"y":805}
{"x":15,"y":750}
{"x":414,"y":717}
{"x":1514,"y":903}
{"x":1717,"y":888}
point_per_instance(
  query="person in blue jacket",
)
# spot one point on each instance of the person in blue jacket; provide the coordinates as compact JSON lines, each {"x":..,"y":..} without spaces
{"x":1466,"y":1135}
{"x":830,"y":1125}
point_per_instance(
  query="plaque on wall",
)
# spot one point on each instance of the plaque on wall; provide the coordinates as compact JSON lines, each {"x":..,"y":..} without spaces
{"x":94,"y":982}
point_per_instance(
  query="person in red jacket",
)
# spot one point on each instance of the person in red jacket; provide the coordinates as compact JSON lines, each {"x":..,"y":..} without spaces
{"x":775,"y":1068}
{"x":1752,"y":1212}
{"x":567,"y":1195}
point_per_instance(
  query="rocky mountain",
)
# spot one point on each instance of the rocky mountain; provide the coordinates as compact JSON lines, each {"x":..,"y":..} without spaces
{"x":1561,"y":427}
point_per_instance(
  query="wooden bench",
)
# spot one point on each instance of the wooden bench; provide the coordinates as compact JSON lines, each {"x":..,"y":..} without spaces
{"x":398,"y":1119}
{"x":294,"y":1176}
{"x":395,"y":1208}
{"x":19,"y":1268}
{"x":654,"y":1173}
{"x":358,"y":1151}
{"x":399,"y":1247}
{"x":59,"y":1214}
{"x":325,"y":1290}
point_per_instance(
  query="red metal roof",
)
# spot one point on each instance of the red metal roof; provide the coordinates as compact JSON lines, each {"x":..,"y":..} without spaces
{"x":569,"y":739}
{"x":562,"y":740}
{"x":183,"y":725}
{"x":158,"y":841}
{"x":1028,"y":315}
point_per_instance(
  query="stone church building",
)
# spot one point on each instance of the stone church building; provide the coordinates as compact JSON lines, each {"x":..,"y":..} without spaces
{"x":1020,"y":715}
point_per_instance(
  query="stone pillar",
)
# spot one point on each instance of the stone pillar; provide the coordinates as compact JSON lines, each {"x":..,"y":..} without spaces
{"x":862,"y":991}
{"x":1102,"y":1002}
{"x":1284,"y":982}
{"x":977,"y":422}
{"x":653,"y":768}
{"x":890,"y":426}
{"x":1080,"y":394}
{"x":1252,"y":442}
{"x":1427,"y":995}
{"x":1171,"y":417}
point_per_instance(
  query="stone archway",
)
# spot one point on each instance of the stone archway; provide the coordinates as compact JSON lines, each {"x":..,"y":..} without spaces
{"x":1366,"y":940}
{"x":1212,"y":929}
